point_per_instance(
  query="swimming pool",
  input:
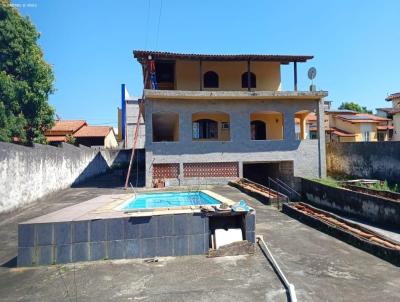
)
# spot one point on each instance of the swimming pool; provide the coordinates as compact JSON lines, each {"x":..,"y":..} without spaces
{"x":152,"y":201}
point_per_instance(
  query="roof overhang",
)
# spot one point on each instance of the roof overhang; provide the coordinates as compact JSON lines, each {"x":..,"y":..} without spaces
{"x":393,"y":96}
{"x":232,"y":95}
{"x":340,"y":132}
{"x":143,"y":55}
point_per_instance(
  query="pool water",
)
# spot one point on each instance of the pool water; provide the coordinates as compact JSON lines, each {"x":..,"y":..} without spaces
{"x":169,"y":200}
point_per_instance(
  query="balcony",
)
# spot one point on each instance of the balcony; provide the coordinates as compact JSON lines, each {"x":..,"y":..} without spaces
{"x":232,"y":95}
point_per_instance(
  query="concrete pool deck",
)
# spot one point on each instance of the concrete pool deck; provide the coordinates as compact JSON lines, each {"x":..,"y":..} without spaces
{"x":321,"y":267}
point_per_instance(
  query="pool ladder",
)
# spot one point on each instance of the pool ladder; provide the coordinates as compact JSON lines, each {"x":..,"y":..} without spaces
{"x":133,"y":188}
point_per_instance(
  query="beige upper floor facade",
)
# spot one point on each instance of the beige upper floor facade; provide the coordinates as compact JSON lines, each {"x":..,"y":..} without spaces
{"x":192,"y":72}
{"x":267,"y":75}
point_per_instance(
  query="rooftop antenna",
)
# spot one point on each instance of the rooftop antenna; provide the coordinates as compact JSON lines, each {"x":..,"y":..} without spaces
{"x":312,"y":73}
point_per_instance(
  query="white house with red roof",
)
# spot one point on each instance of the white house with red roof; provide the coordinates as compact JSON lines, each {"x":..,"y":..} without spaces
{"x":83,"y":134}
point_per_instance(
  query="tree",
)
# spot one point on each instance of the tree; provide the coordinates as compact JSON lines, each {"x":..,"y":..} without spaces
{"x":70,"y":139}
{"x":26,"y":80}
{"x":355,"y":107}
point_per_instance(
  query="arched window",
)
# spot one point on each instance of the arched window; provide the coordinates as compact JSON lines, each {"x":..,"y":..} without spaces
{"x":258,"y":130}
{"x":207,"y":129}
{"x":252,"y":80}
{"x":211,"y":80}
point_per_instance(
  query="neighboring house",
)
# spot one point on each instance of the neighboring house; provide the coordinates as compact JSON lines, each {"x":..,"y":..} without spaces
{"x":395,"y":114}
{"x":127,"y":119}
{"x":82,"y":133}
{"x":210,"y":118}
{"x":350,"y":126}
{"x":311,"y":127}
{"x":96,"y":136}
{"x":62,"y":129}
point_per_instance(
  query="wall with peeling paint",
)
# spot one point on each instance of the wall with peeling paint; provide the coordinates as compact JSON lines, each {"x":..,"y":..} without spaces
{"x":378,"y":160}
{"x":28,"y":173}
{"x":369,"y":208}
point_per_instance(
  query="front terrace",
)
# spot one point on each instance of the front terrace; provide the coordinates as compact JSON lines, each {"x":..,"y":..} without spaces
{"x":311,"y":260}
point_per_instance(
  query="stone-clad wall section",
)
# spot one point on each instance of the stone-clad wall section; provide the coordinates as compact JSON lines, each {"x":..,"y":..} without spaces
{"x":117,"y":238}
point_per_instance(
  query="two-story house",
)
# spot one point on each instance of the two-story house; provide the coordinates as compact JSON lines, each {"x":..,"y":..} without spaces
{"x":394,"y":114}
{"x":211,"y":118}
{"x":351,"y":126}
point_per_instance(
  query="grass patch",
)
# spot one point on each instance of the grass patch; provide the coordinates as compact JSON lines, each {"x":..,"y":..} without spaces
{"x":382,"y":186}
{"x":329,"y":181}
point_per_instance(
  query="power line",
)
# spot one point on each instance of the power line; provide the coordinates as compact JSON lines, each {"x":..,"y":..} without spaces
{"x":158,"y":24}
{"x":147,"y":25}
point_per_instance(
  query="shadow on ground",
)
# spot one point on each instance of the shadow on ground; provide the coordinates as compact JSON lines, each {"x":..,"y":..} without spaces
{"x":10,"y":263}
{"x":113,"y":179}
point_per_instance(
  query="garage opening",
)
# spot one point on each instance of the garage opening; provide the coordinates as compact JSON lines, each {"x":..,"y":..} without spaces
{"x":260,"y":171}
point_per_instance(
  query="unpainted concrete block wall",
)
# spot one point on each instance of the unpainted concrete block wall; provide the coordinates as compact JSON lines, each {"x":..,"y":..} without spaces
{"x":28,"y":173}
{"x":369,"y":208}
{"x":380,"y":160}
{"x":308,"y":156}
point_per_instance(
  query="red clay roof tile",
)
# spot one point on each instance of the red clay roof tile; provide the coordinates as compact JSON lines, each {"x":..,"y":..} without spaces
{"x":93,"y":131}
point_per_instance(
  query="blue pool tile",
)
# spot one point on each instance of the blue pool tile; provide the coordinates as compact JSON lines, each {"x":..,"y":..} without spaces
{"x":165,"y":246}
{"x":115,"y":229}
{"x":181,"y":245}
{"x":80,"y":251}
{"x":62,"y":233}
{"x":182,"y":225}
{"x":197,"y":223}
{"x":26,"y":235}
{"x":44,"y":233}
{"x":196,"y":244}
{"x":80,"y":231}
{"x":24,"y":257}
{"x":132,"y":248}
{"x":116,"y":249}
{"x":250,"y":222}
{"x":98,"y":250}
{"x":148,"y":227}
{"x":63,"y":253}
{"x":45,"y":255}
{"x":131,"y":228}
{"x":251,"y":237}
{"x":98,"y":230}
{"x":165,"y":225}
{"x":149,"y":247}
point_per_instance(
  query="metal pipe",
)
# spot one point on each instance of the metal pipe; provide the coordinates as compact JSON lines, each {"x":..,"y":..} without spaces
{"x":295,"y":75}
{"x":289,"y":286}
{"x":288,"y":187}
{"x":248,"y":76}
{"x":201,"y":74}
{"x":287,"y":191}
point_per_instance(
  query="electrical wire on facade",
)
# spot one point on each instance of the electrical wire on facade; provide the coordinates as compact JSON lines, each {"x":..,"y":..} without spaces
{"x":147,"y":25}
{"x":158,"y":23}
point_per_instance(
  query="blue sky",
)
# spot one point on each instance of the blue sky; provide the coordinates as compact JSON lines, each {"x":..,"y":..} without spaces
{"x":355,"y":43}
